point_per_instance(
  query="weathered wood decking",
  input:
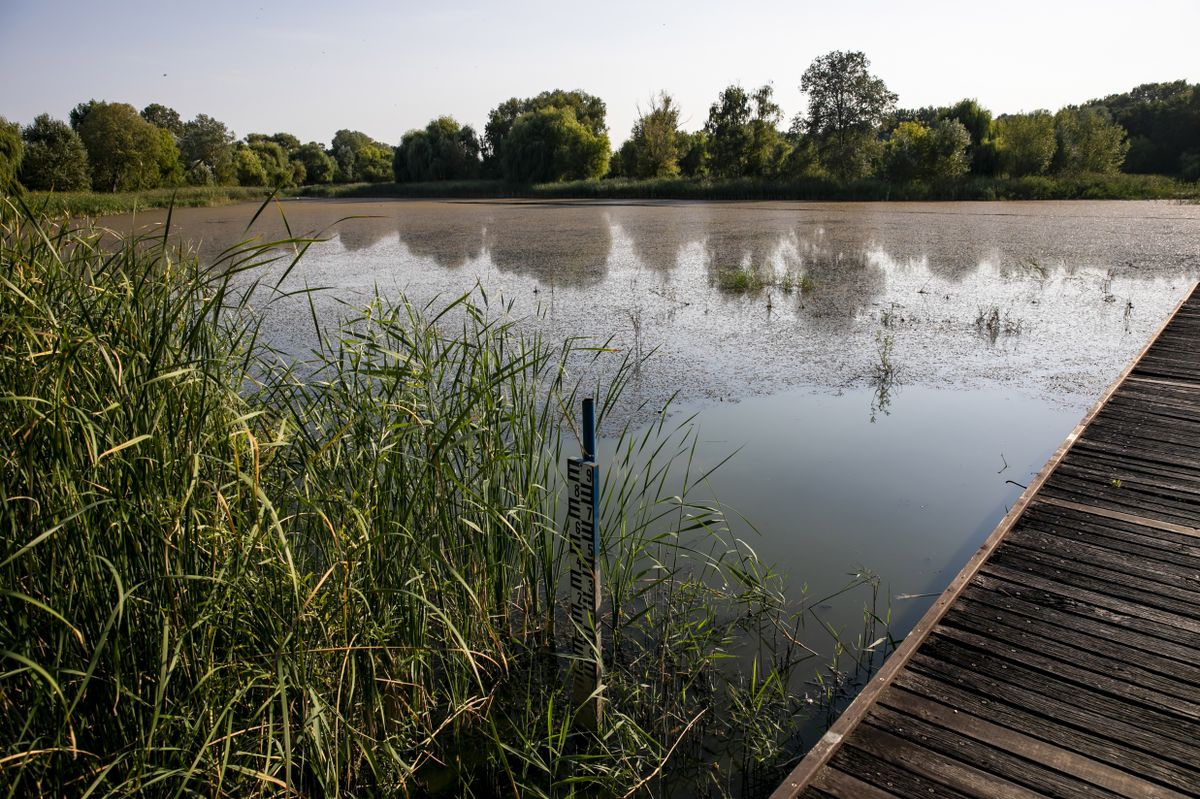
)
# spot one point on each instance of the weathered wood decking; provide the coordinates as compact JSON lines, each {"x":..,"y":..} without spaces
{"x":1064,"y":660}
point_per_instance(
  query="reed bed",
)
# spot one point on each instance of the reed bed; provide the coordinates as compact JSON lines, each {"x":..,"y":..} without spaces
{"x":226,"y":573}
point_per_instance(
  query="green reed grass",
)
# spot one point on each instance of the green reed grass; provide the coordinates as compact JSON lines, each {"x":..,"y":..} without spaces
{"x":91,"y":203}
{"x":226,"y":573}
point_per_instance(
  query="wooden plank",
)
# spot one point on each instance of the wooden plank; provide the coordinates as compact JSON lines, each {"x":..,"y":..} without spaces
{"x":1123,"y":721}
{"x":1020,"y":760}
{"x":1057,"y":597}
{"x":1077,"y":654}
{"x":1025,"y":722}
{"x":1153,"y":544}
{"x":1142,"y":521}
{"x":888,"y":777}
{"x":1168,"y":579}
{"x":845,"y":786}
{"x":1102,"y":598}
{"x":1097,"y":578}
{"x":1099,"y":631}
{"x":934,"y":766}
{"x":1042,"y":666}
{"x":1070,"y":637}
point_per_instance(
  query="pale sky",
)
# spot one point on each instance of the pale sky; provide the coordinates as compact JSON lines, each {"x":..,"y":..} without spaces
{"x":311,"y":68}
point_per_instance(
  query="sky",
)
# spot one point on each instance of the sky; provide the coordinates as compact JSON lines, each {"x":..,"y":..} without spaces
{"x":312,"y":68}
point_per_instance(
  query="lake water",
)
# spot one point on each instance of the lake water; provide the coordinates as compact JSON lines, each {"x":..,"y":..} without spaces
{"x":1000,"y":322}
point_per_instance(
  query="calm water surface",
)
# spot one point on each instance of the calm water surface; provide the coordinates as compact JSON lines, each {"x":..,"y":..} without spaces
{"x":1003,"y":322}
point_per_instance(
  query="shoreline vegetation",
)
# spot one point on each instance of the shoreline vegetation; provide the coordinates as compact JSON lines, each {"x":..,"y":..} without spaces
{"x":1098,"y":187}
{"x":226,"y":572}
{"x":853,"y":141}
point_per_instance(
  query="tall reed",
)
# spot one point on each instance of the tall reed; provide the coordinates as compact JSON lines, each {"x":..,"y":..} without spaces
{"x":226,"y":573}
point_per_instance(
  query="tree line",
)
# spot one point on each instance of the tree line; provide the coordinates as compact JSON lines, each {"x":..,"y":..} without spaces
{"x":853,"y":128}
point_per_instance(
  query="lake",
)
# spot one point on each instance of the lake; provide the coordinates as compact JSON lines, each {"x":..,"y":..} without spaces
{"x":889,"y":374}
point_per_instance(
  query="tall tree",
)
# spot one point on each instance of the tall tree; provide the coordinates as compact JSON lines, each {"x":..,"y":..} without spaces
{"x":742,"y":135}
{"x":12,"y":148}
{"x":728,"y":132}
{"x":163,"y":117}
{"x":589,"y":112}
{"x":1163,"y":122}
{"x":655,"y":140}
{"x":54,"y":157}
{"x":170,"y":167}
{"x":358,"y":157}
{"x":1088,"y":142}
{"x":123,"y":149}
{"x":693,"y":154}
{"x":80,"y":111}
{"x":846,"y":103}
{"x":552,"y":145}
{"x":206,"y":149}
{"x":919,"y":152}
{"x":444,"y":150}
{"x":1026,"y":143}
{"x":273,"y":158}
{"x":318,"y":166}
{"x":247,"y":167}
{"x":978,"y":122}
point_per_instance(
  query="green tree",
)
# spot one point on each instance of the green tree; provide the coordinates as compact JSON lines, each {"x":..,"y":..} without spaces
{"x":1163,"y":123}
{"x":693,"y":154}
{"x":1088,"y":141}
{"x":123,"y":149}
{"x":163,"y":117}
{"x":287,"y":141}
{"x":977,"y":120}
{"x":374,"y":162}
{"x":206,"y":149}
{"x":552,"y":145}
{"x":274,"y":160}
{"x":318,"y":166}
{"x":728,"y":132}
{"x":845,"y":106}
{"x":622,"y":162}
{"x":589,"y":111}
{"x":742,"y":135}
{"x":918,"y":152}
{"x":54,"y":157}
{"x":1025,"y":143}
{"x":80,"y":111}
{"x":247,"y":168}
{"x":170,"y":167}
{"x":443,"y":150}
{"x":358,"y":157}
{"x":655,"y":140}
{"x":12,"y":148}
{"x":767,"y":149}
{"x":905,"y":151}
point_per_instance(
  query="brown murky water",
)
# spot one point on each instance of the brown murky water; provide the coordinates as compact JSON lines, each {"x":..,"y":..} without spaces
{"x":1001,"y":322}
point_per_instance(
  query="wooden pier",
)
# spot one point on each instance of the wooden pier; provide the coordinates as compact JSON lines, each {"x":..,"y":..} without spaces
{"x":1064,"y":659}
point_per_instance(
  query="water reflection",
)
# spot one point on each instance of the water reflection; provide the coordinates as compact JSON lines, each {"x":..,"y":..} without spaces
{"x":451,"y":243}
{"x":357,"y":235}
{"x":560,"y":250}
{"x":658,"y":235}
